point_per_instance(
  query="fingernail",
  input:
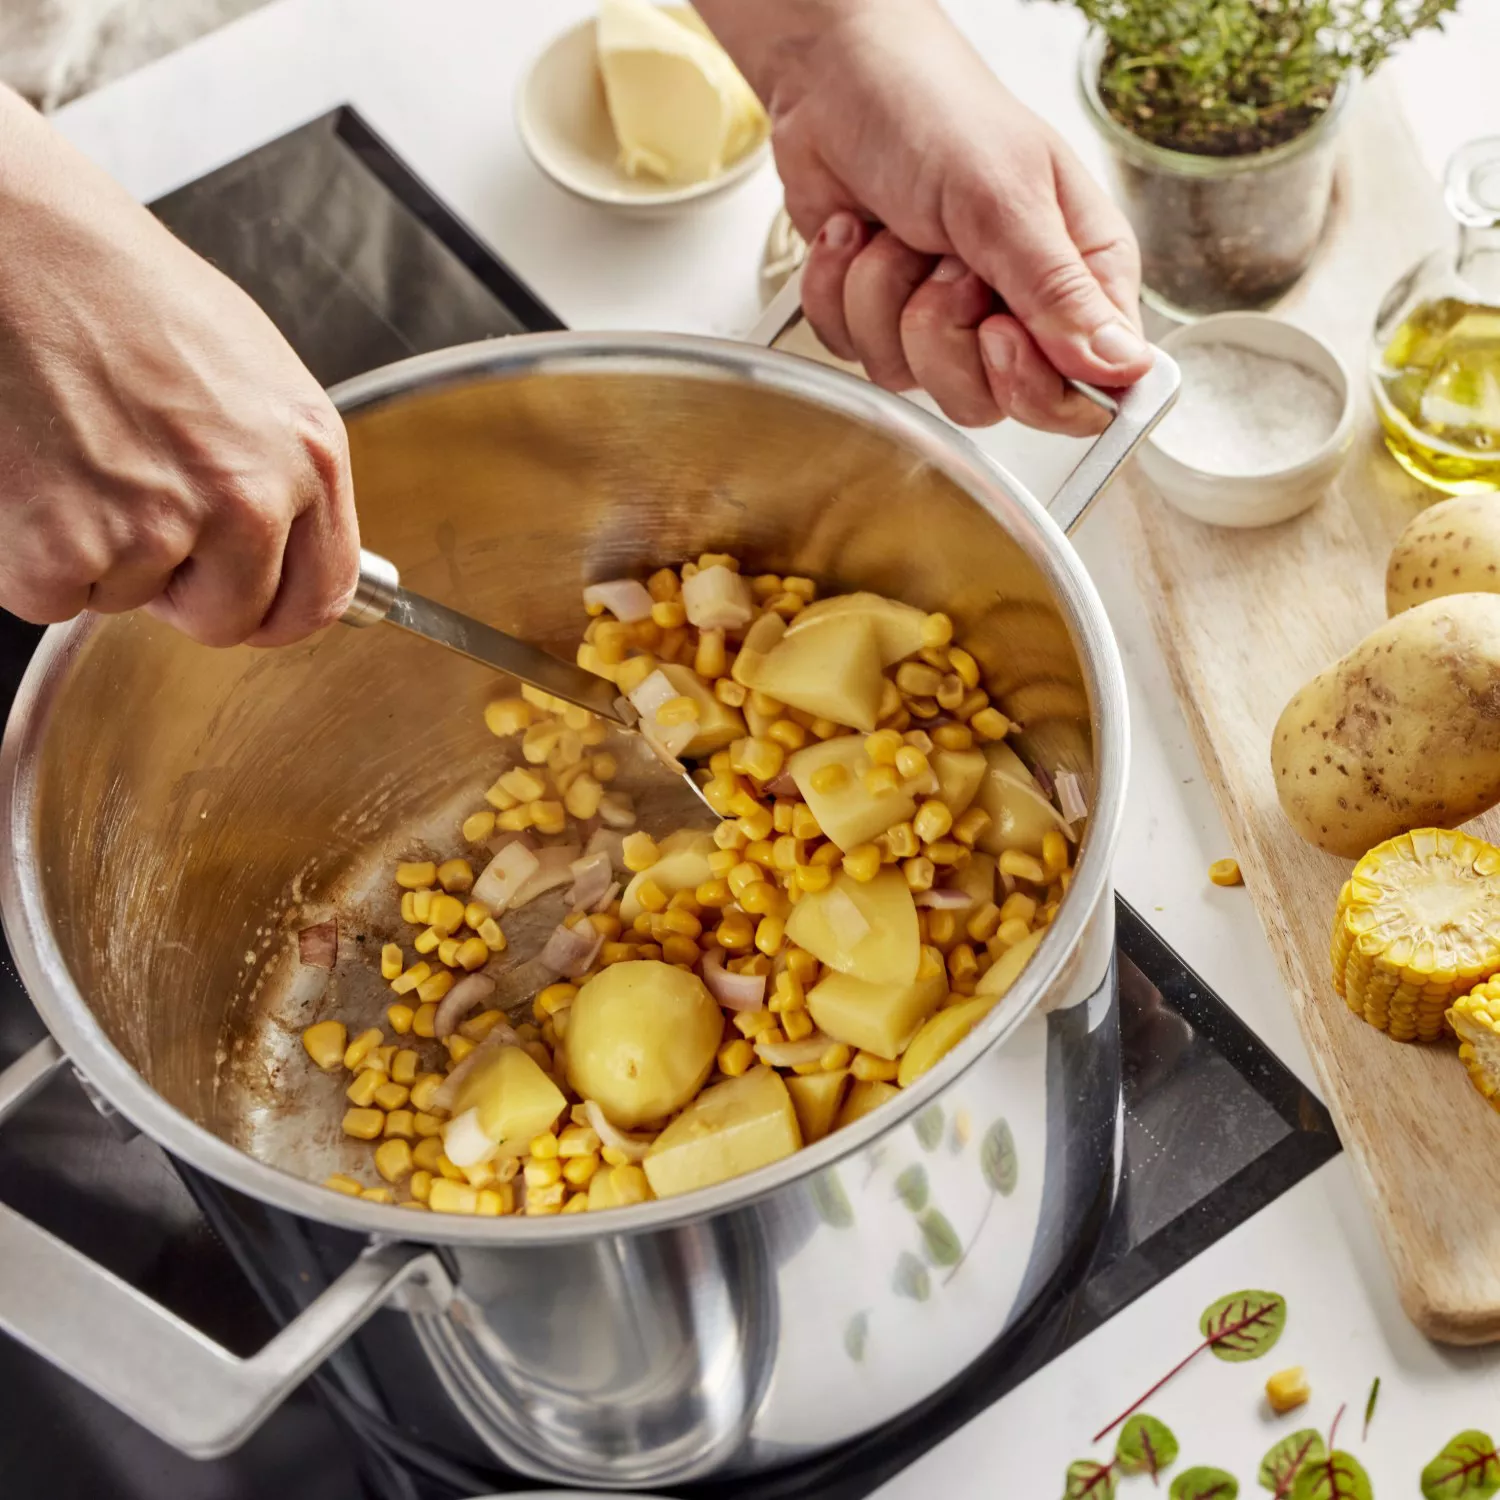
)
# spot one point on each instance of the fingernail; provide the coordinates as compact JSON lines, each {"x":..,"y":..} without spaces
{"x":997,"y":347}
{"x":840,"y":232}
{"x":1117,"y":344}
{"x":949,"y":269}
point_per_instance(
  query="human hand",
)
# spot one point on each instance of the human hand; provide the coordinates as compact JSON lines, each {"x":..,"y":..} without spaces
{"x":882,"y":111}
{"x":160,"y":443}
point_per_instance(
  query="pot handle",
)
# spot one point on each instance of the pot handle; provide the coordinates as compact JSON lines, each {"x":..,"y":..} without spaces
{"x":1136,"y":409}
{"x":146,"y":1361}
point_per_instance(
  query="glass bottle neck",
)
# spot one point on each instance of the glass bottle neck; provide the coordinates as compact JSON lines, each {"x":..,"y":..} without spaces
{"x":1479,"y":261}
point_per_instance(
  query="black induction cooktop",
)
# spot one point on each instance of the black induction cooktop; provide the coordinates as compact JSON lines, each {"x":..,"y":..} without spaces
{"x":359,"y":264}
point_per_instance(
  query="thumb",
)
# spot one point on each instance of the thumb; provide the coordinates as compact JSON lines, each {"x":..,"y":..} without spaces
{"x":1050,"y":289}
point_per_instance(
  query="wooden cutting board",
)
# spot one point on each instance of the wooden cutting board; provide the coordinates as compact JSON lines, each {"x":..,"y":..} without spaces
{"x":1244,"y":619}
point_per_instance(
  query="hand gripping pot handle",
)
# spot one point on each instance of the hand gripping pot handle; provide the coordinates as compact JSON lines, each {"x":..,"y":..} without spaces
{"x":147,"y":1362}
{"x":1136,"y":410}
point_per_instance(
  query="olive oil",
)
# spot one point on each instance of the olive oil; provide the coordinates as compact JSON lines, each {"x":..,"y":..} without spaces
{"x":1438,"y":393}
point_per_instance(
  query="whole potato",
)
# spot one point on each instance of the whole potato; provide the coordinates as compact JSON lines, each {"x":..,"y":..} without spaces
{"x":1451,"y":548}
{"x":641,"y":1038}
{"x":1402,"y":733}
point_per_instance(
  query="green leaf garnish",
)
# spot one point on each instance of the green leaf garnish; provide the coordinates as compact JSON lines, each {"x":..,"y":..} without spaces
{"x":1244,"y":1325}
{"x":1145,"y":1446}
{"x":997,"y":1158}
{"x":1088,"y":1480}
{"x":1281,"y":1466}
{"x":939,"y":1242}
{"x":911,"y":1278}
{"x":856,"y":1332}
{"x":1204,"y":1484}
{"x":930,"y":1127}
{"x":1339,"y":1476}
{"x":911,"y":1187}
{"x":1468,"y":1465}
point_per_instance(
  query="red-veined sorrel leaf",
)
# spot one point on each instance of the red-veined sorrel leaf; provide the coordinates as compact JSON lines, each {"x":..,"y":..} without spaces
{"x":1088,"y":1480}
{"x":1204,"y":1484}
{"x":1468,"y":1465}
{"x":1244,"y":1325}
{"x":1340,"y":1476}
{"x":1145,"y":1446}
{"x":1281,"y":1466}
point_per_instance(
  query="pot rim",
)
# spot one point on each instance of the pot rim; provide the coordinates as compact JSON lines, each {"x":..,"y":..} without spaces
{"x":70,"y":1020}
{"x":1166,"y":160}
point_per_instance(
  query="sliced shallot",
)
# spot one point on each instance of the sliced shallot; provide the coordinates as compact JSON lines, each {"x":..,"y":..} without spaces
{"x":592,"y":874}
{"x":647,"y":700}
{"x":625,"y":598}
{"x":570,"y":950}
{"x":1070,"y":796}
{"x":504,"y":876}
{"x":717,"y":598}
{"x":1044,"y":780}
{"x":554,"y":867}
{"x":464,"y":1142}
{"x":732,"y":991}
{"x":318,"y":946}
{"x":782,"y":784}
{"x":943,"y":900}
{"x":470,"y":992}
{"x":632,"y":1147}
{"x":791,"y":1054}
{"x":607,"y":899}
{"x":607,"y":841}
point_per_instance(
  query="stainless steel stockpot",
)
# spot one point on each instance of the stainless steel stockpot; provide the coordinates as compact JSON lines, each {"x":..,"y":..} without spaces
{"x":171,"y":814}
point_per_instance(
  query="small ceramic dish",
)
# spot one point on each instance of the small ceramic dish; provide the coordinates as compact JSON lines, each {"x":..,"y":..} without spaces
{"x":564,"y":125}
{"x":1272,"y":495}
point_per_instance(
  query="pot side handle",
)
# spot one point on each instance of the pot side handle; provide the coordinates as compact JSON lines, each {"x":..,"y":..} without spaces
{"x":1135,"y":410}
{"x":147,"y":1362}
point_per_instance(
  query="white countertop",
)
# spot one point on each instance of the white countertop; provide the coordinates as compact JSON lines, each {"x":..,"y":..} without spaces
{"x":437,"y":81}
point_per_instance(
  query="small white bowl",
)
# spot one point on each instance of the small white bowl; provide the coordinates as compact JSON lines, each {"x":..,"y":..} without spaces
{"x":1264,"y":498}
{"x":565,"y":127}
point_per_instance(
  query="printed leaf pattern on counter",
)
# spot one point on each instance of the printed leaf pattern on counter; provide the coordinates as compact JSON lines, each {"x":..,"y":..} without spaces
{"x":831,"y":1201}
{"x":1146,"y":1446}
{"x":911,"y":1187}
{"x":1468,"y":1465}
{"x":856,"y":1335}
{"x":1088,"y":1480}
{"x":940,"y":1243}
{"x":997,"y":1158}
{"x":1244,"y":1325}
{"x":1281,"y":1466}
{"x":1339,"y":1476}
{"x":911,"y":1278}
{"x":930,"y":1127}
{"x":1204,"y":1484}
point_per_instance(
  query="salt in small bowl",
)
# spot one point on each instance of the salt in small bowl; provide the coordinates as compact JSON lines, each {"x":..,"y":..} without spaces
{"x":1267,"y":496}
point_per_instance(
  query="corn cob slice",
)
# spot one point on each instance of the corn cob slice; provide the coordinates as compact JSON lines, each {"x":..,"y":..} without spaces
{"x":1418,"y":925}
{"x":1476,"y":1019}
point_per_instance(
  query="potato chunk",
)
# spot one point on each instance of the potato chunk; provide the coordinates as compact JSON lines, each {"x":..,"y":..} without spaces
{"x":878,"y":1018}
{"x":717,"y":724}
{"x":851,"y":813}
{"x":734,"y":1127}
{"x":897,"y":627}
{"x":514,"y":1098}
{"x":831,"y":669}
{"x":940,"y":1035}
{"x":960,"y":774}
{"x":683,"y":866}
{"x":641,"y":1039}
{"x":816,"y":1098}
{"x":867,"y":1094}
{"x":867,"y":929}
{"x":1019,"y":814}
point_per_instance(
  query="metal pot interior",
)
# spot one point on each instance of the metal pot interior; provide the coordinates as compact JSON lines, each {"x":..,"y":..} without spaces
{"x":187,"y":810}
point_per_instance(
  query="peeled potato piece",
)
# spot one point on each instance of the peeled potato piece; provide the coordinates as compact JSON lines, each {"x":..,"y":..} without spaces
{"x":683,"y":866}
{"x":940,"y":1035}
{"x":897,"y":627}
{"x":960,"y":774}
{"x":642,"y":1036}
{"x":864,"y":928}
{"x":513,"y":1098}
{"x":851,"y":813}
{"x":1020,"y":816}
{"x":831,"y":669}
{"x":866,"y":1095}
{"x":717,"y":724}
{"x":817,"y":1098}
{"x":878,"y":1018}
{"x":733,"y":1127}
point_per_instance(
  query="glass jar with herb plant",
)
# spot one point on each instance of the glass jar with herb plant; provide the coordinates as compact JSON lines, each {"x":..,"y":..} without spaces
{"x":1220,"y":118}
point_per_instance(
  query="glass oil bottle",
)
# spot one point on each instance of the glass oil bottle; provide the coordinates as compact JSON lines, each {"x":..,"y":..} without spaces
{"x":1435,"y":360}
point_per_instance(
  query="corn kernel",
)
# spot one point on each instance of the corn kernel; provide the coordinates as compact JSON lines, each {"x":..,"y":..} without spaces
{"x":736,"y":1058}
{"x":431,"y":990}
{"x":612,"y":1156}
{"x":784,"y":604}
{"x":360,"y":1048}
{"x":983,"y":922}
{"x":990,"y":724}
{"x":450,"y":1172}
{"x":629,"y":1184}
{"x":757,"y":824}
{"x":950,"y":693}
{"x":711,"y":660}
{"x":604,"y":767}
{"x":953,"y":736}
{"x":726,"y":690}
{"x":753,"y":1023}
{"x":629,"y":675}
{"x":882,"y":747}
{"x":639,"y":852}
{"x":1221,"y":872}
{"x":542,"y":1173}
{"x":946,"y":852}
{"x":403,"y":1069}
{"x":326,"y":1041}
{"x":377,"y":1195}
{"x":797,"y":1024}
{"x":1055,"y":854}
{"x":422,"y":1022}
{"x":447,"y":1197}
{"x":414,"y":875}
{"x":473,"y":953}
{"x":937,"y":630}
{"x":455,"y":875}
{"x":932,"y":821}
{"x":429,"y":940}
{"x":447,"y":950}
{"x":829,"y":778}
{"x":363,"y":1124}
{"x":393,"y":1160}
{"x":1011,"y":932}
{"x":868,"y":1068}
{"x":409,"y":908}
{"x":881,"y":780}
{"x":1288,"y":1389}
{"x":420,"y":1185}
{"x":366,"y":1085}
{"x":506,"y":716}
{"x":426,"y":1124}
{"x":1020,"y":866}
{"x":1018,"y":905}
{"x":669,"y":613}
{"x":343,"y":1184}
{"x":970,"y":825}
{"x":734,"y":932}
{"x":964,"y":665}
{"x":963,"y":962}
{"x":663,"y":584}
{"x":401,"y":1122}
{"x":427,"y":1154}
{"x":550,"y":817}
{"x":918,"y":680}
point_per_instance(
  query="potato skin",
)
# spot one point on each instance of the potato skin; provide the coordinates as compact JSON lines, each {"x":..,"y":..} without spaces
{"x":1402,"y":733}
{"x":1450,"y":548}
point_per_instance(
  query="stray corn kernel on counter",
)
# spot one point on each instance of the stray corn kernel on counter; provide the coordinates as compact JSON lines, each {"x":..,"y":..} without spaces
{"x":884,"y":867}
